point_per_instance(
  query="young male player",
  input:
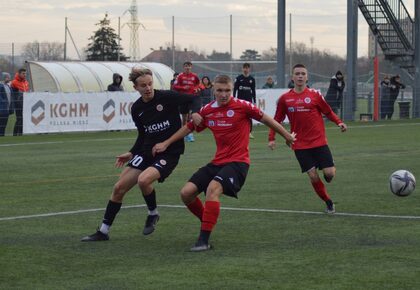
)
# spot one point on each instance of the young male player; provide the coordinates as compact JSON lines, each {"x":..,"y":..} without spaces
{"x":187,"y":82}
{"x":156,"y":117}
{"x":244,"y":88}
{"x":304,"y":107}
{"x":229,"y":120}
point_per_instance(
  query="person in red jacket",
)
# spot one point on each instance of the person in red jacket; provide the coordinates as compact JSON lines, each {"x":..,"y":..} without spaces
{"x":229,"y":119}
{"x":187,"y":82}
{"x":19,"y":86}
{"x":304,"y":108}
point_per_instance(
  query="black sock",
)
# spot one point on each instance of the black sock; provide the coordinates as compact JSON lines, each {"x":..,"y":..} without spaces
{"x":150,"y":200}
{"x":204,"y":236}
{"x":329,"y":202}
{"x":111,"y":211}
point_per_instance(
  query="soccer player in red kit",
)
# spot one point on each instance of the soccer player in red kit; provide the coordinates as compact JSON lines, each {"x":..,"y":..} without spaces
{"x":304,"y":107}
{"x":229,"y":120}
{"x":187,"y":82}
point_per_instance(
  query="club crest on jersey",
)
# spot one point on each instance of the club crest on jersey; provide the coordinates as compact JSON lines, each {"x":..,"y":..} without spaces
{"x":307,"y":100}
{"x":291,"y":109}
{"x":211,"y":123}
{"x":163,"y":162}
{"x":230,"y":113}
{"x":159,"y":108}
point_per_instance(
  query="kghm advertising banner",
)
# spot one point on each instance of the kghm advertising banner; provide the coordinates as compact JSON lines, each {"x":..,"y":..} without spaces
{"x":70,"y":112}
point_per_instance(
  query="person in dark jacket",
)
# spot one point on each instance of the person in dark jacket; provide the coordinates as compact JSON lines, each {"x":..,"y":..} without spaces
{"x":116,"y":83}
{"x":6,"y":104}
{"x":385,"y":98}
{"x":335,"y":91}
{"x":269,"y":83}
{"x":206,"y":92}
{"x":396,"y":85}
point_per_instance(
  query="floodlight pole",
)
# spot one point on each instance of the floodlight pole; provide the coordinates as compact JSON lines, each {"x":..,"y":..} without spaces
{"x":281,"y":42}
{"x":351,"y":93}
{"x":416,"y":93}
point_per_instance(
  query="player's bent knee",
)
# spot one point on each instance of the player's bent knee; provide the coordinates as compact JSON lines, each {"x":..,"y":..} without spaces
{"x":118,"y":192}
{"x":214,"y":190}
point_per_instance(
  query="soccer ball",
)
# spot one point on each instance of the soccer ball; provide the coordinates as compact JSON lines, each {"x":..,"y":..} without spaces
{"x":402,"y":182}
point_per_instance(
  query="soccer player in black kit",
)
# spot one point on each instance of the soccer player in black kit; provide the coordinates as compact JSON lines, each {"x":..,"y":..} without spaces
{"x":244,"y":87}
{"x":156,"y":117}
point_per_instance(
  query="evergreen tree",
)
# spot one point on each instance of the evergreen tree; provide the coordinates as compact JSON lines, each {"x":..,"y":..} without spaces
{"x":250,"y":54}
{"x":104,"y":46}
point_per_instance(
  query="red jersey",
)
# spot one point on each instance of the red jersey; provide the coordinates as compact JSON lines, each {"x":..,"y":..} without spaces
{"x":304,"y":111}
{"x":230,"y":126}
{"x":186,"y":83}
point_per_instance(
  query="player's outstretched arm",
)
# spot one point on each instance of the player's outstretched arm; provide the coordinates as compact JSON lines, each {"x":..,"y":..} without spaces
{"x":122,"y":159}
{"x":161,"y":147}
{"x":273,"y":124}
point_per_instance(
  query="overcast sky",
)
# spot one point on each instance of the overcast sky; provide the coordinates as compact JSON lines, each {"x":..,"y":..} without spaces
{"x":199,"y":25}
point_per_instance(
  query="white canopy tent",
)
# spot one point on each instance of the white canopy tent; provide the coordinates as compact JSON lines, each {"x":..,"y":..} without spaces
{"x":79,"y":77}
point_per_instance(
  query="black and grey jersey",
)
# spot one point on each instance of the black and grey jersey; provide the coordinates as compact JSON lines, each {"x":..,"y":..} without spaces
{"x":244,"y":88}
{"x":159,"y":119}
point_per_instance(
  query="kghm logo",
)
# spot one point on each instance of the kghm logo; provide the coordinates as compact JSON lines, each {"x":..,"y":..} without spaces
{"x":109,"y":111}
{"x":38,"y":112}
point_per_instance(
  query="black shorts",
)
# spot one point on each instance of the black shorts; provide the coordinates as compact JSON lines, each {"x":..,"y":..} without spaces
{"x":164,"y":163}
{"x":185,"y":108}
{"x":318,"y":157}
{"x":230,"y":175}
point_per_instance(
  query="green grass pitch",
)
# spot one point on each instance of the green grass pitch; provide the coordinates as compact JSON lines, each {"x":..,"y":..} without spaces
{"x":293,"y":246}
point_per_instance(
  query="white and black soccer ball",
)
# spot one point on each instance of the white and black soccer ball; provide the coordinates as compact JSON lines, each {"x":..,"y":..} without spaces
{"x":402,"y":182}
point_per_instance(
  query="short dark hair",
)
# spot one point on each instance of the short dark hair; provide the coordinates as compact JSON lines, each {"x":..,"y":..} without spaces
{"x":187,"y":63}
{"x":298,"y":65}
{"x":21,"y":70}
{"x":222,"y":79}
{"x":246,"y":65}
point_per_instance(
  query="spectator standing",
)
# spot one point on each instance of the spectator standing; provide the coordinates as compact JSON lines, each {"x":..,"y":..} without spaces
{"x":385,"y":98}
{"x":116,"y":85}
{"x":19,"y":86}
{"x":269,"y":83}
{"x":396,"y":85}
{"x":335,"y":92}
{"x":206,"y":92}
{"x":173,"y":80}
{"x":6,"y":104}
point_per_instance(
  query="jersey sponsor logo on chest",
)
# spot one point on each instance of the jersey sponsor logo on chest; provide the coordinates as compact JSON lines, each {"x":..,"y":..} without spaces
{"x":157,"y":127}
{"x":218,"y":123}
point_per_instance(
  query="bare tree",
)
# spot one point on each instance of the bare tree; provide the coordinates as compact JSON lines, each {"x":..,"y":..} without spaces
{"x":45,"y":51}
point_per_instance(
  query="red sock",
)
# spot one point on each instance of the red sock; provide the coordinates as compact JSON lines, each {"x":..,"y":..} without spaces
{"x":210,"y":215}
{"x":196,"y":207}
{"x":321,"y":190}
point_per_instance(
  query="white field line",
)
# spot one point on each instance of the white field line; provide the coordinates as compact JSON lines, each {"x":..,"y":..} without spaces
{"x":134,"y":137}
{"x":302,"y":212}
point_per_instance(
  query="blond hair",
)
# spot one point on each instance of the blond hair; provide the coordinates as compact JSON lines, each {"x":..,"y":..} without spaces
{"x":137,"y":72}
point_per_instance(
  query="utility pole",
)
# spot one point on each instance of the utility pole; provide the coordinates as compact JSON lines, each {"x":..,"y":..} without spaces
{"x":65,"y":39}
{"x":173,"y":43}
